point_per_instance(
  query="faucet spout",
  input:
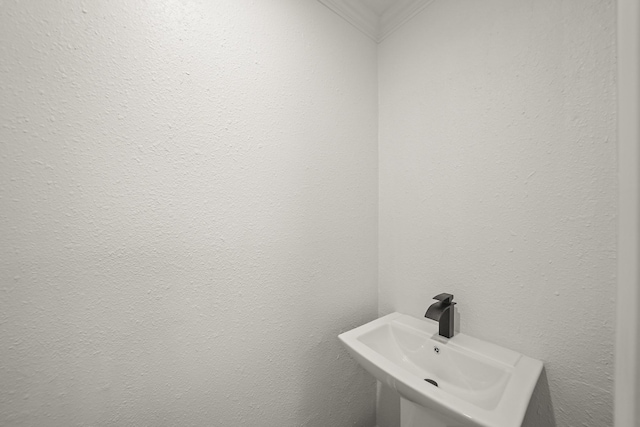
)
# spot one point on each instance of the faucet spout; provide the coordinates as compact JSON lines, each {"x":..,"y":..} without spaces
{"x":443,"y":313}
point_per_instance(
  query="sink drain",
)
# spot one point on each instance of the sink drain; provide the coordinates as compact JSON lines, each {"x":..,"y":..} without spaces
{"x":430,"y":381}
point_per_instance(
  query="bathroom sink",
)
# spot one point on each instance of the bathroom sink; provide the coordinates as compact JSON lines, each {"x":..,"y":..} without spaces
{"x":470,"y":381}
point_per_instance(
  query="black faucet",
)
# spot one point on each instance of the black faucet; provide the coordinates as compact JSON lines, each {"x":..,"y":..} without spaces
{"x":442,"y":312}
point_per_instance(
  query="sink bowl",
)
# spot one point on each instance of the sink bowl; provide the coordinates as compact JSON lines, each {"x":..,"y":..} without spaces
{"x":471,"y":382}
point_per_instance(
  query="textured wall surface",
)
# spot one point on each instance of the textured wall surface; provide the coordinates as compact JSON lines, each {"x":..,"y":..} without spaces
{"x":498,"y":184}
{"x":188,"y":213}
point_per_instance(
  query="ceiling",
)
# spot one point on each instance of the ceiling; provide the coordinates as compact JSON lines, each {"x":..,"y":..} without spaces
{"x":376,"y":18}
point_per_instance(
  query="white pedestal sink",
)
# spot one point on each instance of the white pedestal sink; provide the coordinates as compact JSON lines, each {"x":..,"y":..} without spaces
{"x":478,"y":384}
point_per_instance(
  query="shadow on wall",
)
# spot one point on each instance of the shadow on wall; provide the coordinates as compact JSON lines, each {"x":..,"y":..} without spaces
{"x":388,"y":407}
{"x":334,"y":388}
{"x":540,"y":411}
{"x":348,"y":394}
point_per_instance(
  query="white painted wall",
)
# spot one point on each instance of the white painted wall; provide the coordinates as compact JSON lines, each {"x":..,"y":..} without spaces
{"x":498,"y":184}
{"x":627,"y":362}
{"x":188,"y":213}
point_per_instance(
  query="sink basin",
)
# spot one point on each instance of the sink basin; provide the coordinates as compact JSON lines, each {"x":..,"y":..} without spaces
{"x":471,"y":382}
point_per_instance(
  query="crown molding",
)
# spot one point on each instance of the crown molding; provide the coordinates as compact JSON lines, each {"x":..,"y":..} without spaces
{"x":377,"y":23}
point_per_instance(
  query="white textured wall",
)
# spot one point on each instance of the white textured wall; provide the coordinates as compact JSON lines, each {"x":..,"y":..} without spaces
{"x":188,"y":213}
{"x":498,"y":184}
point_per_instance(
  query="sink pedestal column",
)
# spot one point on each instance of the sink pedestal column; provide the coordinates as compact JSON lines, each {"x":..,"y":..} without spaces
{"x":413,"y":415}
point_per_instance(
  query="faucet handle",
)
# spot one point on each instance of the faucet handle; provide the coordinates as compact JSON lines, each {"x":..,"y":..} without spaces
{"x":445,"y":298}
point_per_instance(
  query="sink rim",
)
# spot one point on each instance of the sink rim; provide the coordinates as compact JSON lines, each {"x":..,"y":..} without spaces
{"x":512,"y":405}
{"x":454,"y":367}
